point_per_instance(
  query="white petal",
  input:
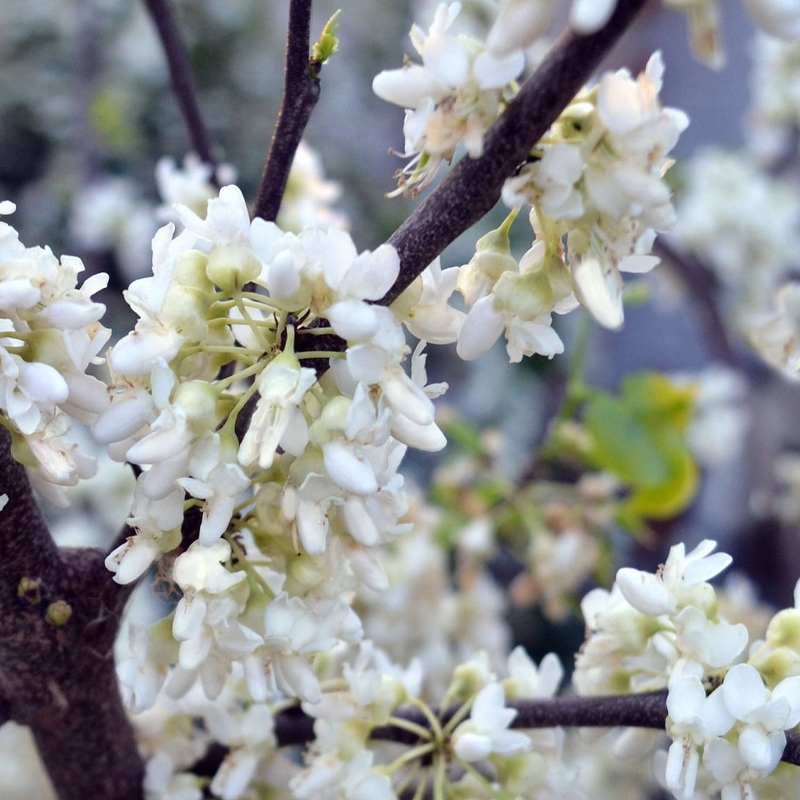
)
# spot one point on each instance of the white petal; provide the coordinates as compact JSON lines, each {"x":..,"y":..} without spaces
{"x":645,"y":592}
{"x":588,"y":16}
{"x":353,"y":320}
{"x":347,"y":470}
{"x":472,"y":746}
{"x":404,"y":87}
{"x":519,"y":24}
{"x":135,"y":353}
{"x":493,"y":72}
{"x":600,"y":291}
{"x":744,"y":690}
{"x":42,"y":383}
{"x":446,"y":59}
{"x":312,"y":527}
{"x":480,"y":329}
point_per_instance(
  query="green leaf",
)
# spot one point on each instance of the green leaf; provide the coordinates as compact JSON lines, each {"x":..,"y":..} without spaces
{"x":328,"y":43}
{"x":640,"y":437}
{"x":667,"y":499}
{"x":622,"y":444}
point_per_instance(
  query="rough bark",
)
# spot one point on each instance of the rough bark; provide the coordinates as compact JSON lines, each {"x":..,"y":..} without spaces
{"x":60,"y":678}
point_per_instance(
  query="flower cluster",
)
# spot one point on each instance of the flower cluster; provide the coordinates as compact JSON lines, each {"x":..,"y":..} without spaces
{"x":49,"y":337}
{"x":594,"y":182}
{"x":663,"y":630}
{"x":291,"y":479}
{"x":454,"y":96}
{"x":474,"y":735}
{"x":520,"y":22}
{"x":750,"y":243}
{"x":775,"y":106}
{"x":596,"y":179}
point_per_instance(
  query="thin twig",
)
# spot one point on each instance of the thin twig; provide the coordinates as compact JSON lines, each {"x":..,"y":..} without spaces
{"x":87,"y":51}
{"x":300,"y":95}
{"x":473,"y":187}
{"x":703,"y":292}
{"x":182,"y":82}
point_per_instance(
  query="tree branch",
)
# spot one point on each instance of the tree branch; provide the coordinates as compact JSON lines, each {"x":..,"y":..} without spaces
{"x":473,"y":186}
{"x":648,"y":710}
{"x":300,"y":95}
{"x":182,"y":82}
{"x":703,"y":290}
{"x":59,"y":617}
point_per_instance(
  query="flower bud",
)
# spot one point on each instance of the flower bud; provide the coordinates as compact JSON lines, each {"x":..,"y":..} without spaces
{"x":783,"y":662}
{"x":191,"y":271}
{"x":58,"y":613}
{"x":198,"y":400}
{"x":784,"y":629}
{"x":28,"y":589}
{"x":528,"y":296}
{"x":232,"y":266}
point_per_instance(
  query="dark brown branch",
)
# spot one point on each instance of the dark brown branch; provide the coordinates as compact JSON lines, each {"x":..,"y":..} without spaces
{"x":473,"y":187}
{"x":648,"y":710}
{"x":57,"y":675}
{"x":704,"y":295}
{"x":300,"y":95}
{"x":182,"y":82}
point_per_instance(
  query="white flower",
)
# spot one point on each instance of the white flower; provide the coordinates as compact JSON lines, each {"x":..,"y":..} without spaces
{"x":157,"y":525}
{"x":486,"y":731}
{"x":294,"y":631}
{"x":766,"y":715}
{"x":29,"y":392}
{"x":694,"y":720}
{"x":527,"y":680}
{"x":207,"y":613}
{"x":454,"y":96}
{"x":281,"y":385}
{"x":218,"y":482}
{"x":431,"y":318}
{"x":716,"y":644}
{"x":519,"y":23}
{"x":679,"y":582}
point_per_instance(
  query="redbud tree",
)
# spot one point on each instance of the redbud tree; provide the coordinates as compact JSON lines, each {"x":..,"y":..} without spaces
{"x":288,"y":610}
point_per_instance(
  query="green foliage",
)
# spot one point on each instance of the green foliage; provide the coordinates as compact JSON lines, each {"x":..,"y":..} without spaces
{"x":639,"y":437}
{"x":328,"y":43}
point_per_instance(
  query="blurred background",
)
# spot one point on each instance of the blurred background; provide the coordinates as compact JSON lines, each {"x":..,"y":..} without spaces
{"x":86,"y":112}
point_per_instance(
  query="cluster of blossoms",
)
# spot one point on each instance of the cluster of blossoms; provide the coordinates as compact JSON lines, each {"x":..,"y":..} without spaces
{"x":594,"y":183}
{"x":521,"y":21}
{"x":466,"y":748}
{"x":750,"y":242}
{"x":749,"y":239}
{"x":49,"y":337}
{"x":724,"y":713}
{"x":775,"y":104}
{"x":293,"y":479}
{"x":454,"y":96}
